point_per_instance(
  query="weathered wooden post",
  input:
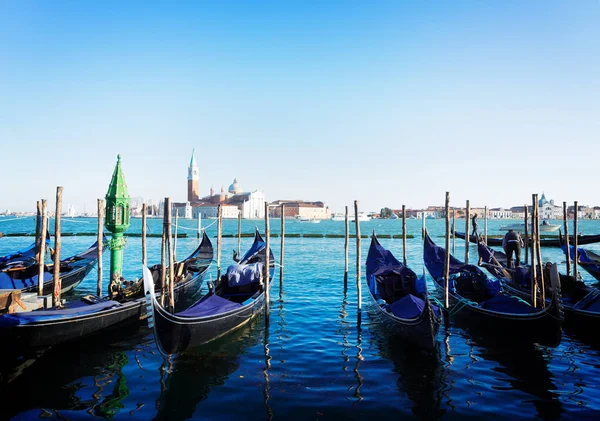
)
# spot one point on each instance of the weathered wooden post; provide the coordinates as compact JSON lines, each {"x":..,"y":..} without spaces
{"x":485,"y":211}
{"x":219,"y":239}
{"x":281,"y":258}
{"x":447,"y":258}
{"x":42,"y":256}
{"x":453,"y":231}
{"x":576,"y":241}
{"x":358,"y":285}
{"x":144,"y":233}
{"x":267,"y":263}
{"x":346,"y":242}
{"x":38,"y":231}
{"x":467,"y":235}
{"x":100,"y":244}
{"x":56,"y":269}
{"x":239,"y":238}
{"x":404,"y":235}
{"x":423,"y":224}
{"x":171,"y":276}
{"x":538,"y":250}
{"x":566,"y":225}
{"x":175,"y":236}
{"x":526,"y":232}
{"x":533,"y":253}
{"x":199,"y":223}
{"x":163,"y":257}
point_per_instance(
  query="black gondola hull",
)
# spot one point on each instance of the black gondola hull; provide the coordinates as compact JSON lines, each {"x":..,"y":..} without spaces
{"x":421,"y":331}
{"x":544,"y":242}
{"x":28,"y":337}
{"x":176,"y":335}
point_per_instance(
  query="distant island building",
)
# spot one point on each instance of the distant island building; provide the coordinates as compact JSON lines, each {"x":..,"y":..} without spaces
{"x":234,"y":201}
{"x":299,"y":209}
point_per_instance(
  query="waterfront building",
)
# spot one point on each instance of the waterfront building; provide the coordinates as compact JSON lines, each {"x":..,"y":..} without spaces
{"x":300,"y":209}
{"x":548,"y":210}
{"x":234,"y":201}
{"x":500,"y":213}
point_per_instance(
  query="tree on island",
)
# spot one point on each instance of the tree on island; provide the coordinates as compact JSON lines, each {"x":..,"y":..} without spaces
{"x":385,"y":213}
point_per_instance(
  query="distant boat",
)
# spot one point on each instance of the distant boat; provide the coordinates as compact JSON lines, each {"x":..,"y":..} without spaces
{"x":306,"y":219}
{"x":338,"y":217}
{"x":545,"y":226}
{"x":393,"y":216}
{"x":362,"y":217}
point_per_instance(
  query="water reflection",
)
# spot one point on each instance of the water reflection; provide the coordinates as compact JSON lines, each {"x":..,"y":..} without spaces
{"x":419,"y":372}
{"x":57,"y":379}
{"x":189,"y":377}
{"x":526,"y":365}
{"x":359,"y":358}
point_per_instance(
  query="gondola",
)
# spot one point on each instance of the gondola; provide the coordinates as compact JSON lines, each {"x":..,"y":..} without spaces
{"x":544,"y":242}
{"x":581,"y":302}
{"x":587,"y":259}
{"x":482,"y":301}
{"x":25,"y":256}
{"x":235,"y":299}
{"x":73,"y":270}
{"x":43,"y":328}
{"x":399,"y":297}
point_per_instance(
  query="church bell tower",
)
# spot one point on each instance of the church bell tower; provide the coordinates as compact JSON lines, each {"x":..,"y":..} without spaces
{"x":193,"y":181}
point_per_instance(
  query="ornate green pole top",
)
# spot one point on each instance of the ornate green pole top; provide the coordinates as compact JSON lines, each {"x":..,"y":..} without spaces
{"x":117,"y":202}
{"x":117,"y":222}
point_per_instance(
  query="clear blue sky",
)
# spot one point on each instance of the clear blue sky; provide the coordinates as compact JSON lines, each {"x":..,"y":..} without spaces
{"x":389,"y":103}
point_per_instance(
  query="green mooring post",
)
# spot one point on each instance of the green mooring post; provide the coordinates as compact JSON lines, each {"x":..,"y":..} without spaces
{"x":117,"y":219}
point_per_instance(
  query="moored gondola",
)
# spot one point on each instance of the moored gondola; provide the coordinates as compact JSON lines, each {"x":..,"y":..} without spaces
{"x":481,"y":300}
{"x":73,"y":270}
{"x":235,"y":299}
{"x":587,"y":259}
{"x":544,"y":242}
{"x":88,"y":315}
{"x":23,"y":257}
{"x":581,"y":303}
{"x":399,"y":298}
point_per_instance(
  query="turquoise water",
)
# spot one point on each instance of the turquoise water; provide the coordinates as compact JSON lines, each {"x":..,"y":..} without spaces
{"x":314,"y":361}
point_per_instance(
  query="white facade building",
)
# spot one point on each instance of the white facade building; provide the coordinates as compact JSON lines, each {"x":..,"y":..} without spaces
{"x":500,"y":213}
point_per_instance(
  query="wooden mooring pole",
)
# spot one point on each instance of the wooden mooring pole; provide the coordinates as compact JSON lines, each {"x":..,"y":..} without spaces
{"x":239,"y":237}
{"x":56,"y":269}
{"x":566,"y":227}
{"x":219,"y":239}
{"x":199,"y":224}
{"x":453,"y":231}
{"x":485,"y":211}
{"x":175,"y":237}
{"x":100,"y":245}
{"x":171,"y":257}
{"x":404,"y":234}
{"x":163,"y":257}
{"x":467,"y":235}
{"x":282,"y":249}
{"x":358,"y":285}
{"x":38,"y":231}
{"x":526,"y":232}
{"x":533,"y":253}
{"x":267,"y":264}
{"x":447,"y":258}
{"x":575,"y":241}
{"x":538,"y":250}
{"x":346,"y":242}
{"x":144,"y":233}
{"x":42,"y":256}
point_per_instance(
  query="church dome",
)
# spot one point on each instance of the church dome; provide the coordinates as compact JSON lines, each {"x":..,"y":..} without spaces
{"x":235,"y":188}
